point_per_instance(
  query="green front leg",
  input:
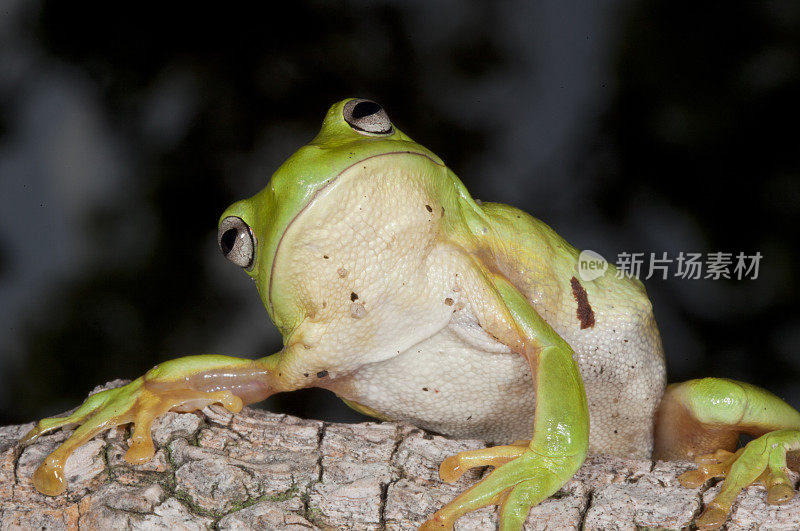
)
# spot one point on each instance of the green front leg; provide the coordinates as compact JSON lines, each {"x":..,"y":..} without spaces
{"x":527,"y":473}
{"x":183,"y":384}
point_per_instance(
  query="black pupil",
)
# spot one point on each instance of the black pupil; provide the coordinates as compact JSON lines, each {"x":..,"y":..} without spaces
{"x":365,"y":108}
{"x":228,"y":240}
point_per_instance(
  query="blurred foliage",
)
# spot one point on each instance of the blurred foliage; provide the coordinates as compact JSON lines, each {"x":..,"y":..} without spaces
{"x":703,"y":119}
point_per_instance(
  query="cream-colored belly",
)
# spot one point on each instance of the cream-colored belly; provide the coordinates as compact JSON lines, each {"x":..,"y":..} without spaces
{"x":459,"y":382}
{"x":463,"y":383}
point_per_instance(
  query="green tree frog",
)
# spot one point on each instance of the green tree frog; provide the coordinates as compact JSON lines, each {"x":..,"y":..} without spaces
{"x":411,"y":301}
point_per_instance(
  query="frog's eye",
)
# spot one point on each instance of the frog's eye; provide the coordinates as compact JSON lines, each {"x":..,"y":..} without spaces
{"x":367,"y":117}
{"x":236,"y":241}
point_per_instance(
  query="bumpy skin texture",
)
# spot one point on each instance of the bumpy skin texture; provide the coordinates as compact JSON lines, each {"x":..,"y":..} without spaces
{"x":411,"y":346}
{"x":393,"y":288}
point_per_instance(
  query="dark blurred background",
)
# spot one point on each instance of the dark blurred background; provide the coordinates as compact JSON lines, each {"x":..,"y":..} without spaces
{"x":627,"y":126}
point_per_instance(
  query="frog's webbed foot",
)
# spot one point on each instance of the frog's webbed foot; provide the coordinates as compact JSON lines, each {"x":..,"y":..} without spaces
{"x":522,"y":479}
{"x":454,"y":466}
{"x":133,"y":403}
{"x":714,"y":465}
{"x":762,"y":461}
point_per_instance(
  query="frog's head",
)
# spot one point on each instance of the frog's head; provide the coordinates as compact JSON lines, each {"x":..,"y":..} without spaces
{"x":251,"y":230}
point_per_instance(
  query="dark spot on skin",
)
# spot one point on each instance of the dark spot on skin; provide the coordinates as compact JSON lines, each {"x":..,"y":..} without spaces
{"x":615,"y":431}
{"x":322,"y":374}
{"x":428,"y":208}
{"x":585,"y":312}
{"x":469,"y":418}
{"x":448,"y":301}
{"x":435,"y":390}
{"x":424,"y":388}
{"x":325,"y":256}
{"x":442,"y":211}
{"x":624,"y":340}
{"x":305,"y":374}
{"x":353,"y":296}
{"x":324,"y":304}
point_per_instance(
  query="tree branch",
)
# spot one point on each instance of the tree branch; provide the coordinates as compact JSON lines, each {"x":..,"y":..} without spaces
{"x":261,"y":470}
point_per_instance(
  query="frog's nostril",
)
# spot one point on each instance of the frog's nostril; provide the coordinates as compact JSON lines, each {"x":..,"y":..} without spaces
{"x":228,"y":240}
{"x":367,"y":118}
{"x":236,"y":241}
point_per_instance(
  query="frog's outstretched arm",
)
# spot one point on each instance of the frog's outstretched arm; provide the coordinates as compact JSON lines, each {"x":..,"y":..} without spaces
{"x":183,"y":384}
{"x":527,"y":472}
{"x":699,"y":417}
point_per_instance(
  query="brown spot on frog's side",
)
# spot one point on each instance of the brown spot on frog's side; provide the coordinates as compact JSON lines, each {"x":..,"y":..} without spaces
{"x":585,"y":312}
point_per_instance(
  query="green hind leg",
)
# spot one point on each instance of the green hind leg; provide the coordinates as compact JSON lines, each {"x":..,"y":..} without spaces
{"x":702,"y":419}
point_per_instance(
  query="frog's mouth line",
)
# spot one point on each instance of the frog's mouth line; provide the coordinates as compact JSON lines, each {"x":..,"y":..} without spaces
{"x":311,"y":201}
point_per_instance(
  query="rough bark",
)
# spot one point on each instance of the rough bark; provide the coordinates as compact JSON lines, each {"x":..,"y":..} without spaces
{"x":259,"y":470}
